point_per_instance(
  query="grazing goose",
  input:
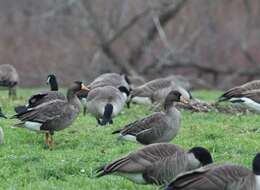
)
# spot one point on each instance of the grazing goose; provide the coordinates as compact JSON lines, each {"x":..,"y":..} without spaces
{"x":9,"y":78}
{"x":220,"y":177}
{"x":107,"y":79}
{"x":156,"y":90}
{"x":110,"y":79}
{"x":157,"y":163}
{"x":42,"y":97}
{"x":53,"y":115}
{"x":106,"y":102}
{"x":247,"y":94}
{"x":1,"y":130}
{"x":158,"y":127}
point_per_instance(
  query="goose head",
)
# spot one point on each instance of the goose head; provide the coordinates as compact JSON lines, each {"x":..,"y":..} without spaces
{"x":124,"y":91}
{"x":76,"y":87}
{"x":52,"y":81}
{"x":174,"y":96}
{"x":202,"y":155}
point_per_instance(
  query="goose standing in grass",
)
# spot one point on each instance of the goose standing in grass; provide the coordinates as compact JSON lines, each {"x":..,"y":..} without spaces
{"x":247,"y":94}
{"x":1,"y":130}
{"x":42,"y":97}
{"x":106,"y":102}
{"x":158,"y":127}
{"x":107,"y":79}
{"x":9,"y":78}
{"x":157,"y":163}
{"x":220,"y":177}
{"x":54,"y":115}
{"x":156,"y":90}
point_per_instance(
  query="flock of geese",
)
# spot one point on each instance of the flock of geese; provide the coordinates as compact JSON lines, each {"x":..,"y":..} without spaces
{"x":158,"y":162}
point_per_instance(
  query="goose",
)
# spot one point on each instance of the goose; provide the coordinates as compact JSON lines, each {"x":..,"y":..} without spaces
{"x":157,"y":163}
{"x":106,"y":102}
{"x":157,"y":127}
{"x":156,"y":90}
{"x":110,"y":79}
{"x":42,"y":97}
{"x":247,"y":94}
{"x":9,"y":78}
{"x":1,"y":130}
{"x":54,"y":115}
{"x":107,"y":79}
{"x":220,"y":177}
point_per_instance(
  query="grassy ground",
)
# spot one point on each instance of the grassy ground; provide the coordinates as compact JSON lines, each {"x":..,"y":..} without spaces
{"x":25,"y":164}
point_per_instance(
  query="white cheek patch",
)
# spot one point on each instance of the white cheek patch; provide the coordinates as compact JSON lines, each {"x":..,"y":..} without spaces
{"x":33,"y":125}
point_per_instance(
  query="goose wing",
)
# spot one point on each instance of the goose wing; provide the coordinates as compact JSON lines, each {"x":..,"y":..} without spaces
{"x":146,"y":123}
{"x":253,"y":95}
{"x":238,"y":90}
{"x":213,"y":177}
{"x":139,"y":160}
{"x":44,"y":112}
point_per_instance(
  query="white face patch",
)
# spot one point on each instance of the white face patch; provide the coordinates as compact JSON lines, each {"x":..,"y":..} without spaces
{"x":48,"y":80}
{"x":125,"y":96}
{"x":33,"y":125}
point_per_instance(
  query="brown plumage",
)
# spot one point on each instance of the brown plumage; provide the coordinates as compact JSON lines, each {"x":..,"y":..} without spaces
{"x":53,"y":115}
{"x":156,"y":163}
{"x":9,"y":78}
{"x":219,"y":177}
{"x":157,"y":90}
{"x":238,"y":90}
{"x":157,"y":127}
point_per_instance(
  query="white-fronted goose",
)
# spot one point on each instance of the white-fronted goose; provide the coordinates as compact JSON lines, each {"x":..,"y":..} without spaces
{"x":9,"y":78}
{"x":106,"y":102}
{"x":1,"y":130}
{"x":157,"y":163}
{"x":158,"y":127}
{"x":53,"y":115}
{"x":42,"y":97}
{"x":247,"y":94}
{"x":220,"y":177}
{"x":157,"y":90}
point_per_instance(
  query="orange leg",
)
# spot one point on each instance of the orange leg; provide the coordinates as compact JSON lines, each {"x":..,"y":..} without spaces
{"x":51,"y":142}
{"x":47,"y":134}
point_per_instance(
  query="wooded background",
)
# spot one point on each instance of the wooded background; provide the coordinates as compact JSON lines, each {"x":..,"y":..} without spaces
{"x":215,"y":43}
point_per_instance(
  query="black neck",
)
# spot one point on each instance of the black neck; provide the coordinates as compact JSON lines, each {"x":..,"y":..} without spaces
{"x":54,"y":85}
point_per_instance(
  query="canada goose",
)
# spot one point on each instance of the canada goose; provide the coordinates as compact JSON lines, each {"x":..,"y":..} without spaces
{"x":247,"y":94}
{"x":157,"y":163}
{"x":53,"y":115}
{"x":42,"y":97}
{"x":158,"y":127}
{"x":106,"y":102}
{"x":110,"y":79}
{"x":9,"y":78}
{"x":107,"y":79}
{"x":1,"y":130}
{"x":220,"y":177}
{"x":156,"y":90}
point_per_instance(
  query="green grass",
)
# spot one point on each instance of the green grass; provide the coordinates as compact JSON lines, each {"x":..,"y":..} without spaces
{"x":26,"y":164}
